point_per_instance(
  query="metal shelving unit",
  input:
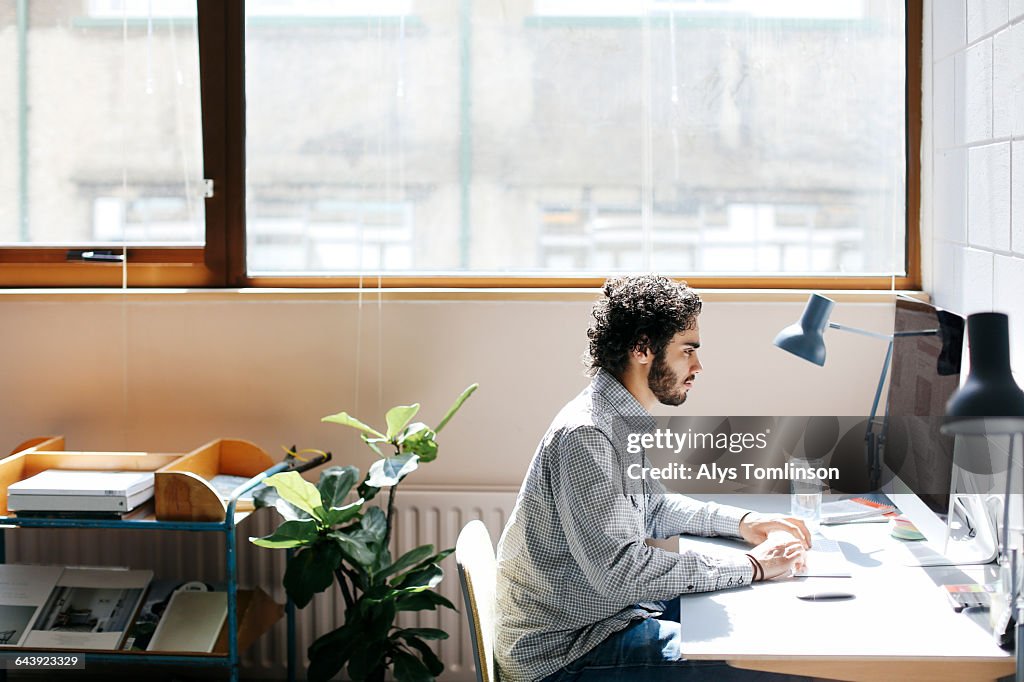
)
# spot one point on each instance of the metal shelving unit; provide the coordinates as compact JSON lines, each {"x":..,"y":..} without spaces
{"x":227,"y":527}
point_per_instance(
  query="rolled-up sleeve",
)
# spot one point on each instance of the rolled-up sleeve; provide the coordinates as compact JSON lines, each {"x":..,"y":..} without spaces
{"x":674,"y":514}
{"x":605,"y":528}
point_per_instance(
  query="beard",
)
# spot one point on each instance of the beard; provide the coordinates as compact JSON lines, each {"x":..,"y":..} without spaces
{"x":664,"y":383}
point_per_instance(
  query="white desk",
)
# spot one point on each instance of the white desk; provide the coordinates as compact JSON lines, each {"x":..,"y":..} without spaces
{"x":899,"y":626}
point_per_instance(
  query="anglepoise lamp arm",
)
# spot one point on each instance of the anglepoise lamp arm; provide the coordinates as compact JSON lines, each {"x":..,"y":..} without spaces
{"x":876,"y":442}
{"x":805,"y":339}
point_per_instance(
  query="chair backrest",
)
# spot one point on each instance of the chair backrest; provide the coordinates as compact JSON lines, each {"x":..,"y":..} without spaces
{"x":474,"y":555}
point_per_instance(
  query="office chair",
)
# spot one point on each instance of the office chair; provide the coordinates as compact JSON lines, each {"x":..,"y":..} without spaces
{"x":474,"y":555}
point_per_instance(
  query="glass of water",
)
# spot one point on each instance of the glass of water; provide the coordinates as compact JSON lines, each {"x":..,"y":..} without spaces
{"x":805,"y":495}
{"x":805,"y":504}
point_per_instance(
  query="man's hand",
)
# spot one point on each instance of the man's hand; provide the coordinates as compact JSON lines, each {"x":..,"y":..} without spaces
{"x":780,"y":554}
{"x":754,"y":528}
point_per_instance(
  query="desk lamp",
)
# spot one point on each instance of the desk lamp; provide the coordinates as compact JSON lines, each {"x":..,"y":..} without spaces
{"x":990,"y":403}
{"x":805,"y":339}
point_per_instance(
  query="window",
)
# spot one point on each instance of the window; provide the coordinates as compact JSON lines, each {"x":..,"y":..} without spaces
{"x":101,"y":114}
{"x":731,"y":142}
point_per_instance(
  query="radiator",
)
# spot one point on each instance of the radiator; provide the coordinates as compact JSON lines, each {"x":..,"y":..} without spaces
{"x":423,"y":516}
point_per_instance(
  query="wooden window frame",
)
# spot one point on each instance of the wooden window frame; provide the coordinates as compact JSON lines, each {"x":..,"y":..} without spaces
{"x":221,"y":263}
{"x":152,"y":266}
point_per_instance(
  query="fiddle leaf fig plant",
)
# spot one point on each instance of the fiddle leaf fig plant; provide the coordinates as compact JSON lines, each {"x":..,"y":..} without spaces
{"x":337,"y":537}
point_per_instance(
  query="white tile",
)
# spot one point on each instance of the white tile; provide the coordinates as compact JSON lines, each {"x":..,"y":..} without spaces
{"x":949,"y":27}
{"x":1003,"y":71}
{"x":985,"y":16}
{"x":1009,"y":282}
{"x":960,"y":98}
{"x":1016,"y":8}
{"x":1015,"y":64}
{"x":943,"y":101}
{"x":946,"y":265}
{"x":988,"y":197}
{"x":950,"y":198}
{"x":1017,"y":198}
{"x":977,"y":92}
{"x":977,"y":267}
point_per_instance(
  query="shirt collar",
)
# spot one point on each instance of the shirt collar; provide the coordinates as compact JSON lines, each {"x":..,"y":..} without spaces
{"x":621,"y":399}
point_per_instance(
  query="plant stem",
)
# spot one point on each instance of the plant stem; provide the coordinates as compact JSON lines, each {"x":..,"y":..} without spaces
{"x":391,"y":505}
{"x":340,"y":577}
{"x":391,"y":511}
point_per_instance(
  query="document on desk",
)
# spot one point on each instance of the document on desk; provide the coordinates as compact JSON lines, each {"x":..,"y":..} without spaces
{"x":825,"y":559}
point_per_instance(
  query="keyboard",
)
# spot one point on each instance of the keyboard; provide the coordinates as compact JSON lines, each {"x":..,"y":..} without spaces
{"x":825,"y":558}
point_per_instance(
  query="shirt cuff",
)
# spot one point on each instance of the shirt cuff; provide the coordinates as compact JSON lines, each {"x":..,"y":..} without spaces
{"x":725,"y":519}
{"x":735,"y":572}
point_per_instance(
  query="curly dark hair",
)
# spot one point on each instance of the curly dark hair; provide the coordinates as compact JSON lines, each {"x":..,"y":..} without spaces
{"x":639,"y":312}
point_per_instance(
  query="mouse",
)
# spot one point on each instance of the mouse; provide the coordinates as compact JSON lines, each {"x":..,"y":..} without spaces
{"x":825,"y":595}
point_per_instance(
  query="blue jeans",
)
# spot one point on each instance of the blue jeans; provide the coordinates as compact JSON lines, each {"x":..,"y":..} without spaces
{"x":648,"y":650}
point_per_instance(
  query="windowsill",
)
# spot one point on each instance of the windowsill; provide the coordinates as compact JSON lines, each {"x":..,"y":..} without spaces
{"x":389,"y":294}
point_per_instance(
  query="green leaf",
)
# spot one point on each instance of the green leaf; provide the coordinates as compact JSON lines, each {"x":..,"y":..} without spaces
{"x":268,"y":497}
{"x":346,"y":420}
{"x":366,"y":491}
{"x":343,"y":636}
{"x":429,"y":576}
{"x":335,"y":484}
{"x":355,"y":551}
{"x":412,"y":430}
{"x":365,"y":661}
{"x":388,"y":472}
{"x":328,"y":654}
{"x":289,"y":534}
{"x":410,"y":559}
{"x":292,"y":487}
{"x":408,"y":668}
{"x":443,"y":554}
{"x":380,"y":593}
{"x":436,"y":559}
{"x":422,"y":601}
{"x":399,"y":417}
{"x":311,"y":571}
{"x":421,"y":443}
{"x":423,"y":633}
{"x":376,"y":619}
{"x":372,"y":443}
{"x":290,"y":512}
{"x":430,"y":659}
{"x":456,"y":405}
{"x":375,"y":523}
{"x":339,"y":515}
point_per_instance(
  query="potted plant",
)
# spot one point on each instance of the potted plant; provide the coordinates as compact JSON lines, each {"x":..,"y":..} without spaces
{"x":338,"y":539}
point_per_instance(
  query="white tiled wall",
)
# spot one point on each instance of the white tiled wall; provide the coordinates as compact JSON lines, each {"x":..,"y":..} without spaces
{"x":974,"y":157}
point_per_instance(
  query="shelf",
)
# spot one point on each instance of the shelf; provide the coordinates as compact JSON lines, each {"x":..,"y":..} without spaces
{"x":184,"y":500}
{"x":147,"y":522}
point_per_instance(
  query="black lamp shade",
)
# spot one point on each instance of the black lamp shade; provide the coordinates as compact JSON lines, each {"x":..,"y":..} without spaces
{"x":990,"y":402}
{"x":804,"y":339}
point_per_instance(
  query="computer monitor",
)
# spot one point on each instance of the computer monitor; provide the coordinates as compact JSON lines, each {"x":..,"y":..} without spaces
{"x":919,"y":459}
{"x":925,"y":372}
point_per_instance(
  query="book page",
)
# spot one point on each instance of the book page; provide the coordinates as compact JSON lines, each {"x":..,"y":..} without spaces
{"x":23,"y":591}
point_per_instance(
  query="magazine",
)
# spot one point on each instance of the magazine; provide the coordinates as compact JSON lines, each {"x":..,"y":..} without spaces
{"x":23,"y":592}
{"x":89,"y":608}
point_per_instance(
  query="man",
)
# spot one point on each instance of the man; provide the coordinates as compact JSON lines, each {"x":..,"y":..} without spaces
{"x":581,"y":596}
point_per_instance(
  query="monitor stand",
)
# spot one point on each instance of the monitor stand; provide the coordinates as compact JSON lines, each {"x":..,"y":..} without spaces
{"x":968,"y":536}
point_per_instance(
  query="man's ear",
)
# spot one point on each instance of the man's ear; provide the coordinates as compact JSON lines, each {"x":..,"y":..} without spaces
{"x":642,"y":351}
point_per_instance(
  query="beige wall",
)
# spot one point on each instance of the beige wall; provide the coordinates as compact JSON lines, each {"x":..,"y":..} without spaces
{"x":167,"y":372}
